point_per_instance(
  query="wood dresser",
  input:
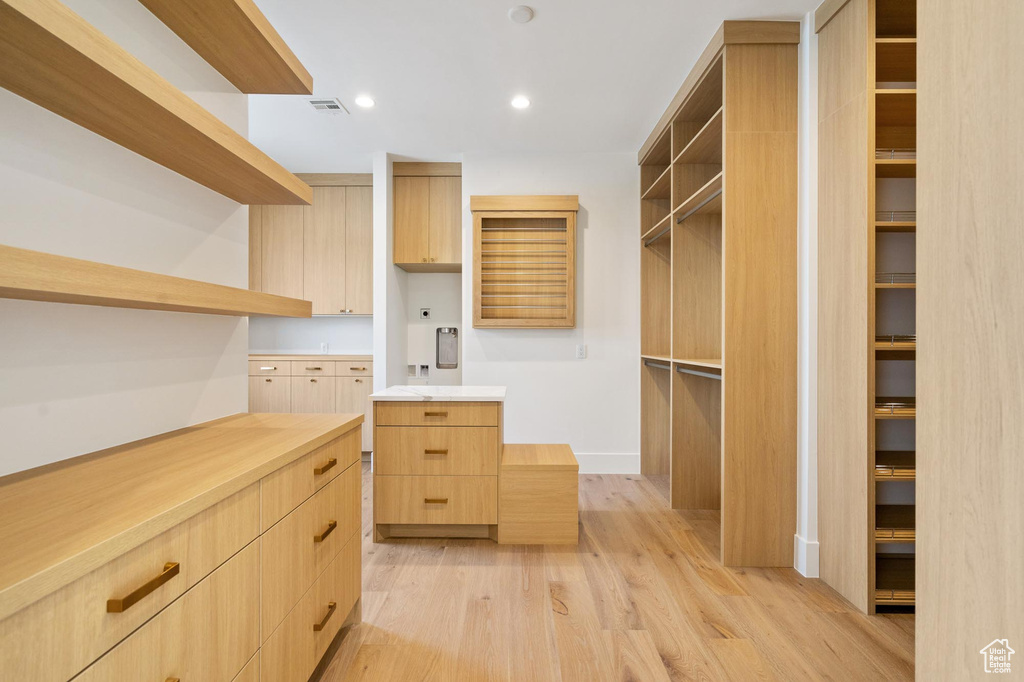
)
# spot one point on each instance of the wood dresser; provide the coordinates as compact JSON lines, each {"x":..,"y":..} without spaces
{"x":436,"y":456}
{"x":225,"y":551}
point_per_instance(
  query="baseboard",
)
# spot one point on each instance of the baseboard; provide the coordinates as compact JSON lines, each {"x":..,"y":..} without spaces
{"x":608,"y":463}
{"x":805,"y":557}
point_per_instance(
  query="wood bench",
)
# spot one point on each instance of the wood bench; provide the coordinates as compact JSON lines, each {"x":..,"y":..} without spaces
{"x":538,"y":498}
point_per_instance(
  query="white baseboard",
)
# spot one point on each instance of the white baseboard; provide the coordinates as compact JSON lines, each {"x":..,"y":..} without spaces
{"x":805,"y":557}
{"x":608,"y":463}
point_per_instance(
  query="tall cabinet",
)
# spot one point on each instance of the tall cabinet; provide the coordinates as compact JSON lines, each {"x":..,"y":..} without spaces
{"x":867,"y":343}
{"x":321,"y":253}
{"x":718,"y":291}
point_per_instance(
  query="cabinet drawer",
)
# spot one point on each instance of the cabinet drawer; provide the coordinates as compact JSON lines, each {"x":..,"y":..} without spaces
{"x":313,"y":395}
{"x":431,"y":413}
{"x":312,"y":368}
{"x":353,"y":368}
{"x":298,"y":548}
{"x":270,"y":394}
{"x":59,"y":635}
{"x":435,"y":499}
{"x":289,"y":486}
{"x":206,"y":636}
{"x":295,"y":647}
{"x":436,"y":451}
{"x":268,"y":367}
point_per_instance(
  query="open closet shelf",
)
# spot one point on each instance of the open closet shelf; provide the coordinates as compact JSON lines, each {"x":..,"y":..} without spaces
{"x":235,"y":38}
{"x":662,"y":187}
{"x":704,"y":200}
{"x":895,"y":465}
{"x":894,"y":523}
{"x":896,"y":226}
{"x":37,"y":276}
{"x":896,"y":60}
{"x":656,"y":358}
{"x":712,"y":363}
{"x":895,"y":107}
{"x":659,"y":229}
{"x":706,"y":145}
{"x":895,"y":168}
{"x":52,"y":57}
{"x":894,"y":580}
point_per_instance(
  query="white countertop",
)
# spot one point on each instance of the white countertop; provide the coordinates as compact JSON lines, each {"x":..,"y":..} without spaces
{"x":495,"y":394}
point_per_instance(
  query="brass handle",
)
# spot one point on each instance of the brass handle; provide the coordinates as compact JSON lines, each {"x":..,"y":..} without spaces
{"x":436,"y":452}
{"x":424,"y":260}
{"x":359,"y":381}
{"x":325,"y":467}
{"x":435,"y":414}
{"x":266,"y":369}
{"x":331,"y":525}
{"x":432,"y":260}
{"x":435,"y":500}
{"x":269,"y":381}
{"x":172,"y":679}
{"x":331,"y":606}
{"x":171,"y":569}
{"x":312,"y":381}
{"x":314,"y":369}
{"x":358,"y":369}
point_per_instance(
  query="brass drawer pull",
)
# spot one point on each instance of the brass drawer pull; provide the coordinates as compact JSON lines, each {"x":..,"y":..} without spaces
{"x":269,"y":381}
{"x":331,"y":525}
{"x":435,"y":414}
{"x":172,"y":679}
{"x":171,"y":569}
{"x":325,"y":467}
{"x":358,"y":369}
{"x":312,"y":381}
{"x":435,"y":500}
{"x":436,"y":452}
{"x":268,"y":369}
{"x":359,"y":381}
{"x":331,"y":606}
{"x":314,"y":369}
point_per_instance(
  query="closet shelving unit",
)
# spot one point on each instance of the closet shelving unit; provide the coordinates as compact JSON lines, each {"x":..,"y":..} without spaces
{"x":867,"y":243}
{"x":718,"y":291}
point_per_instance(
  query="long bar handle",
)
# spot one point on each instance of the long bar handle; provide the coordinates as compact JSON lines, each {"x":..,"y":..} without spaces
{"x":314,"y":369}
{"x":331,"y":606}
{"x":331,"y":525}
{"x":358,"y":369}
{"x":171,"y":569}
{"x":268,"y":369}
{"x":435,"y":414}
{"x":435,"y":500}
{"x":436,"y":452}
{"x":325,"y":467}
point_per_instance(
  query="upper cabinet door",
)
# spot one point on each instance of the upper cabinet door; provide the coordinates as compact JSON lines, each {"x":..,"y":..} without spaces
{"x":281,"y":239}
{"x":412,"y":220}
{"x":324,"y":253}
{"x":359,"y":250}
{"x":446,"y":220}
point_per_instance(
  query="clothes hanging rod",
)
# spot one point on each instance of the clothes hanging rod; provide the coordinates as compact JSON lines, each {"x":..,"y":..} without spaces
{"x":656,"y":365}
{"x":706,"y":375}
{"x":699,"y":206}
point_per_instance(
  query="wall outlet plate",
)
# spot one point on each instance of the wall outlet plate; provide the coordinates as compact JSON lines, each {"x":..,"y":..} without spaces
{"x":581,"y":351}
{"x":323,"y":348}
{"x":424,"y":313}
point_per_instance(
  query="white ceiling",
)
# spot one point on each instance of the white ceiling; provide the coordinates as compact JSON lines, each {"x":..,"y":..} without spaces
{"x":599,"y":73}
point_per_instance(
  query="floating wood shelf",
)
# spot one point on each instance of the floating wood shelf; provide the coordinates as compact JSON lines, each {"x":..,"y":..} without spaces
{"x":713,"y":363}
{"x":706,"y":145}
{"x":658,"y":227}
{"x":235,"y":38}
{"x":52,"y":57}
{"x":896,"y":226}
{"x":894,"y":523}
{"x":704,"y":194}
{"x":36,"y":276}
{"x":896,"y":168}
{"x":895,"y":465}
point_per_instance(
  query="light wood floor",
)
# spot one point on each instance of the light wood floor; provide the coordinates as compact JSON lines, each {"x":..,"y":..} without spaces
{"x":642,"y":598}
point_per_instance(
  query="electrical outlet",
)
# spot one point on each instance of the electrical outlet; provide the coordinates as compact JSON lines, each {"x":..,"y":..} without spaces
{"x":323,"y":348}
{"x":424,"y":313}
{"x":581,"y":351}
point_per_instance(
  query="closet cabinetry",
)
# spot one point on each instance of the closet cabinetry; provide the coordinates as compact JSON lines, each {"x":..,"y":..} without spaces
{"x":322,"y":253}
{"x":718,"y":338}
{"x":428,"y":217}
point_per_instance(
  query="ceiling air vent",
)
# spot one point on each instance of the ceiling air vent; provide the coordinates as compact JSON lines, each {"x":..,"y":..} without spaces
{"x":328,"y":106}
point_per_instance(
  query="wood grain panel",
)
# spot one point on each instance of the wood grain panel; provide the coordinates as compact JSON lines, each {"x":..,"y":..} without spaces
{"x":359,"y":250}
{"x":656,"y":298}
{"x":446,"y":220}
{"x":426,"y":169}
{"x":270,"y":394}
{"x":843,"y":374}
{"x":412,"y":220}
{"x":47,"y":53}
{"x":696,"y":442}
{"x":281,"y":245}
{"x":970,"y":315}
{"x":255,"y":248}
{"x":655,"y":421}
{"x":437,"y":451}
{"x":697,"y":287}
{"x":313,"y":395}
{"x":538,"y":507}
{"x":324,"y":251}
{"x":410,"y":499}
{"x":353,"y":395}
{"x":439,"y":413}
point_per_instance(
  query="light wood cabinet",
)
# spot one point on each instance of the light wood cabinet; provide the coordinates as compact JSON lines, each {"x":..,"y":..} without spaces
{"x":270,"y":394}
{"x":322,"y":253}
{"x":353,"y":395}
{"x":428,"y":219}
{"x":313,"y":394}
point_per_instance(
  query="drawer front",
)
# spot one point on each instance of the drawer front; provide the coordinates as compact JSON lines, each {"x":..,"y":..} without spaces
{"x":290,"y":486}
{"x":312,"y":368}
{"x":353,"y":368}
{"x":270,"y":394}
{"x":299,"y":548}
{"x":206,"y":636}
{"x":436,"y":499}
{"x":269,"y":368}
{"x":313,"y":395}
{"x":436,"y":451}
{"x":442,"y":413}
{"x":36,"y":642}
{"x":295,"y":647}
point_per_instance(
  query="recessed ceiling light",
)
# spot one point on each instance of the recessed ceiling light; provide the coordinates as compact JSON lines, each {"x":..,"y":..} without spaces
{"x":365,"y":101}
{"x":521,"y":14}
{"x":520,"y":101}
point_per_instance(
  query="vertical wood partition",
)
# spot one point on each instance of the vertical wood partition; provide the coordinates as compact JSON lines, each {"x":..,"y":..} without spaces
{"x":718,"y":290}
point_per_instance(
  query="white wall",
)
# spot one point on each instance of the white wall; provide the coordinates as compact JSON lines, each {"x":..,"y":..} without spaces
{"x":442,"y":293}
{"x":805,"y":550}
{"x":343,"y":335}
{"x":593,"y":404}
{"x":74,"y":379}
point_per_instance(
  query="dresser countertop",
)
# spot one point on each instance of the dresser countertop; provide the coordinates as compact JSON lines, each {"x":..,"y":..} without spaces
{"x":469,"y":394}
